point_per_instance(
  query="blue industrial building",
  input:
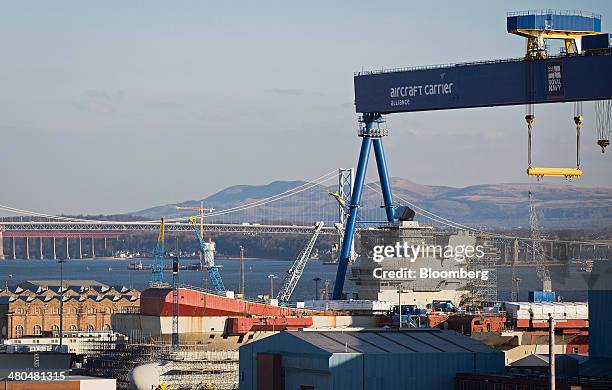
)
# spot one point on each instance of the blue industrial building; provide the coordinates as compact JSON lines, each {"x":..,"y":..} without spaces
{"x":599,"y":364}
{"x":370,"y":359}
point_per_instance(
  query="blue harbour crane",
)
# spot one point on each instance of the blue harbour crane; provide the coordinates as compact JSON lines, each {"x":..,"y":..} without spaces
{"x":157,"y":269}
{"x":213,"y":271}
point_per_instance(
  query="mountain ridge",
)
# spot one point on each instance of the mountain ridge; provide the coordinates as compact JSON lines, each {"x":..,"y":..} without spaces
{"x":502,"y":205}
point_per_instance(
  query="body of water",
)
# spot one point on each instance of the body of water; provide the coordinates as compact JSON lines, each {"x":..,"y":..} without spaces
{"x":569,"y":282}
{"x":115,"y":272}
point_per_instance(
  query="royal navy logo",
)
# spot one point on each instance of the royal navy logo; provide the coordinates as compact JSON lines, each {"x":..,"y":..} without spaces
{"x":554,"y":78}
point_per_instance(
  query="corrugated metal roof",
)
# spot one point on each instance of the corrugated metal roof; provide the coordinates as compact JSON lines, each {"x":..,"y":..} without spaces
{"x":465,"y":342}
{"x":391,"y":341}
{"x":323,"y":342}
{"x":413,"y":344}
{"x":383,"y":343}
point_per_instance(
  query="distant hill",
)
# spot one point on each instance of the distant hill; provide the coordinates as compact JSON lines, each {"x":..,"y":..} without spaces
{"x":490,"y":205}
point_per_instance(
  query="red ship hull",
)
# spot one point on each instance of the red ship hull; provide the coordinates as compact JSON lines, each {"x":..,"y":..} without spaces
{"x":193,"y":303}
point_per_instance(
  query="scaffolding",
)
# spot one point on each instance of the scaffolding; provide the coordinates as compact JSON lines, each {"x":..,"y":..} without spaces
{"x":188,"y":367}
{"x":484,"y":290}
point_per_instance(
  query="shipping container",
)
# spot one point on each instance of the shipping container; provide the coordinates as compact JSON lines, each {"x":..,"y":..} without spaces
{"x":542,"y":310}
{"x":542,"y":296}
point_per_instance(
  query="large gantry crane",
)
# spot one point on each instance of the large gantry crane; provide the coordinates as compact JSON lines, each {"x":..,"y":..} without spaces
{"x":575,"y":75}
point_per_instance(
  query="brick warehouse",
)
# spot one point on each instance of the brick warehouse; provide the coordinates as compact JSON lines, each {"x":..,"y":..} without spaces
{"x":31,"y":310}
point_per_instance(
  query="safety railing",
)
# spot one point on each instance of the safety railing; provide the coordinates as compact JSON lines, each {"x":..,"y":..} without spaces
{"x":435,"y":66}
{"x":559,"y":12}
{"x":453,"y":65}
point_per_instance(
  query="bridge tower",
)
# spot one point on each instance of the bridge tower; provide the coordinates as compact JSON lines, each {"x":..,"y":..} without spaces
{"x":345,"y":184}
{"x":372,"y":129}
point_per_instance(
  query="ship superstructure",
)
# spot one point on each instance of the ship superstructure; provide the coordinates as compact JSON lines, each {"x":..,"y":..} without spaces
{"x":437,"y":261}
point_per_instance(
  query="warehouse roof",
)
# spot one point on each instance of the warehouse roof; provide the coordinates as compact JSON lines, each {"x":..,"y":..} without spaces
{"x":56,"y":282}
{"x":391,"y":341}
{"x":541,"y":360}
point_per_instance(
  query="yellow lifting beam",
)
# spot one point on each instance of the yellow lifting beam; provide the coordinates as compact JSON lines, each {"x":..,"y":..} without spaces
{"x":568,"y":173}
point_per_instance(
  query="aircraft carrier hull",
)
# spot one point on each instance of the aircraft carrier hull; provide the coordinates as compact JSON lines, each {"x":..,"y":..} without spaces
{"x":224,"y":323}
{"x":194,"y":303}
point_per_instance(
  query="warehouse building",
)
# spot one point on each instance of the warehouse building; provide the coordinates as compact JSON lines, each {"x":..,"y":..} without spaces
{"x":32,"y":308}
{"x":599,"y":364}
{"x":369,"y":359}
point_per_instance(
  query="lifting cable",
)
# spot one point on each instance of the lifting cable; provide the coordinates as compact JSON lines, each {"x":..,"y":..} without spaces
{"x":603,"y":123}
{"x":529,"y":117}
{"x":578,"y":122}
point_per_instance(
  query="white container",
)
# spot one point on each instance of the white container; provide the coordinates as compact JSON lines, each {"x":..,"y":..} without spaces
{"x":514,"y":308}
{"x":582,"y":310}
{"x":522,"y":315}
{"x":570,"y":310}
{"x":548,"y":309}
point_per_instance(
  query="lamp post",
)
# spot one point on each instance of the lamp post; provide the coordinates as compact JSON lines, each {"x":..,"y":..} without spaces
{"x":316,"y":280}
{"x":241,"y":285}
{"x":551,"y":352}
{"x":399,"y":301}
{"x":272,"y":277}
{"x":61,"y":308}
{"x":10,"y":277}
{"x":175,"y":303}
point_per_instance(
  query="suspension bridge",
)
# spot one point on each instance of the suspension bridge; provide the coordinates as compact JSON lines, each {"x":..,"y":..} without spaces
{"x":308,"y":203}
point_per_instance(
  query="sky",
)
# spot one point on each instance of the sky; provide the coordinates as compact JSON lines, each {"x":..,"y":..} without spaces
{"x":115,"y":106}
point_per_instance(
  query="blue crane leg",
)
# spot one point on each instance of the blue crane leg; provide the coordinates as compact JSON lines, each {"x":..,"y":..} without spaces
{"x":349,"y":229}
{"x":379,"y":152}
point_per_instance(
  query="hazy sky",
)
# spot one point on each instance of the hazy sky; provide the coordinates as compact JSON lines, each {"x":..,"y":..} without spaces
{"x":115,"y":106}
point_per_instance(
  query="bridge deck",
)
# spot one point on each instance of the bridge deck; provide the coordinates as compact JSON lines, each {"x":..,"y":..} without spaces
{"x":113,"y":226}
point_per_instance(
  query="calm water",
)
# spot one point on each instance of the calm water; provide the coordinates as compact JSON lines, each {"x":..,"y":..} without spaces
{"x":569,"y":282}
{"x":115,"y":272}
